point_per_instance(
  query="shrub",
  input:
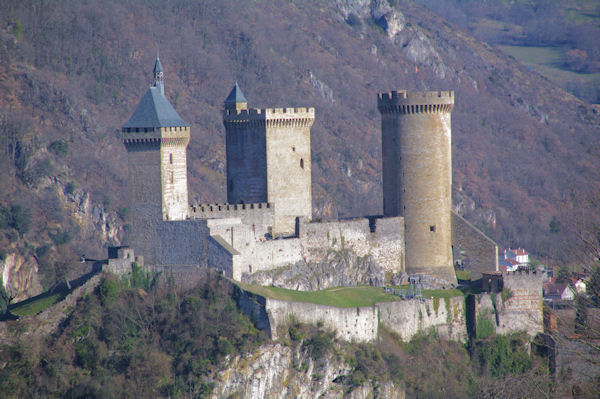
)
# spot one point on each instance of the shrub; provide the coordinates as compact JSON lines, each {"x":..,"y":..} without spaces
{"x":506,"y":294}
{"x":485,"y":327}
{"x":59,"y":147}
{"x":42,"y":250}
{"x":70,"y":187}
{"x":20,"y":219}
{"x":123,"y":212}
{"x":319,"y":345}
{"x":502,"y":355}
{"x":109,"y":288}
{"x":353,"y":20}
{"x":60,"y":237}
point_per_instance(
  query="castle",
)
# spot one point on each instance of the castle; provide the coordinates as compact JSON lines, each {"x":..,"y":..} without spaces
{"x":266,"y":222}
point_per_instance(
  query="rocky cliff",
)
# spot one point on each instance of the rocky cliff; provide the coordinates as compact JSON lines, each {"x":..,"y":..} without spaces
{"x":278,"y":371}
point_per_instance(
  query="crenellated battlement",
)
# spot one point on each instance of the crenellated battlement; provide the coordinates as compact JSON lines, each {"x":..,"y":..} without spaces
{"x":220,"y":210}
{"x":404,"y":102}
{"x":291,"y":117}
{"x":170,"y":136}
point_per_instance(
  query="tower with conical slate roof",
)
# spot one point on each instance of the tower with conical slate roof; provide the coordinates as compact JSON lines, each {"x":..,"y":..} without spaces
{"x":268,"y":158}
{"x":156,"y":139}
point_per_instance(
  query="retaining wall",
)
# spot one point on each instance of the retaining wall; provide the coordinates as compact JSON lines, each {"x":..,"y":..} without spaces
{"x":409,"y":317}
{"x":350,"y":324}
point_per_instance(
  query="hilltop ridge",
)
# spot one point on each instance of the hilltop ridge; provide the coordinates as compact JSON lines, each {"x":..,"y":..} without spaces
{"x":71,"y":73}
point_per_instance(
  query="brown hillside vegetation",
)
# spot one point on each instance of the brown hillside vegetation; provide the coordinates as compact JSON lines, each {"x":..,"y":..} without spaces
{"x":70,"y":70}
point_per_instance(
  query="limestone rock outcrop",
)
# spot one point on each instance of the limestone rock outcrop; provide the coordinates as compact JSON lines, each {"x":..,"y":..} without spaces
{"x":20,"y":276}
{"x":277,"y":371}
{"x":338,"y":269}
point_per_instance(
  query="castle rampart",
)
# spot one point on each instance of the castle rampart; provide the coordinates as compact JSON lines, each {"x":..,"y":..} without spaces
{"x":258,"y":214}
{"x":410,"y":317}
{"x":358,"y":324}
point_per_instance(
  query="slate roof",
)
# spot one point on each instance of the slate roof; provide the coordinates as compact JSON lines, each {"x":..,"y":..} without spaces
{"x":154,"y":110}
{"x":236,"y":96}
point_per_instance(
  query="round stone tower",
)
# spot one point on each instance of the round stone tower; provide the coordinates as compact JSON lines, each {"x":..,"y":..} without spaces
{"x":417,"y":176}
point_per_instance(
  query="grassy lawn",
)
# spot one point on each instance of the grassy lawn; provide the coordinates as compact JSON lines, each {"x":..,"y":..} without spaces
{"x":533,"y":56}
{"x":343,"y":297}
{"x":547,"y":61}
{"x":346,"y":297}
{"x":442,"y":293}
{"x":37,"y":304}
{"x":463,"y":274}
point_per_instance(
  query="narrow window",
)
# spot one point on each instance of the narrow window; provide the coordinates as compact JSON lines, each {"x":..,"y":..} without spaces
{"x":302,"y":163}
{"x":171,"y":159}
{"x":294,"y":148}
{"x":249,"y":268}
{"x":432,"y":229}
{"x":172,"y":178}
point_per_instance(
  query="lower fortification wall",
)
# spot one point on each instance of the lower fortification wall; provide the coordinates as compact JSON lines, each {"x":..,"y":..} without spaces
{"x":275,"y":316}
{"x":517,"y":308}
{"x":350,"y":324}
{"x":407,"y":318}
{"x":480,"y":249}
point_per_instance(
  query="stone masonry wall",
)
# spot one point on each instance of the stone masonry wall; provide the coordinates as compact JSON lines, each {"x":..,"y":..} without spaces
{"x":350,"y":324}
{"x":385,"y":243}
{"x":521,"y":311}
{"x":258,"y":214}
{"x":289,"y":165}
{"x":409,"y":317}
{"x":417,"y":175}
{"x":174,"y":172}
{"x":481,"y":250}
{"x":275,"y":316}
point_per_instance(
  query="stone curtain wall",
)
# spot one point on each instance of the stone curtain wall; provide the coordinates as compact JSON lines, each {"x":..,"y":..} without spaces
{"x":275,"y":316}
{"x":258,"y":214}
{"x":385,"y":244}
{"x":409,"y":317}
{"x":350,"y":324}
{"x":481,"y":250}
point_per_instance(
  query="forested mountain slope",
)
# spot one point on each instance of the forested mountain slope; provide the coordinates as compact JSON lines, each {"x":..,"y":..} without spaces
{"x":72,"y":72}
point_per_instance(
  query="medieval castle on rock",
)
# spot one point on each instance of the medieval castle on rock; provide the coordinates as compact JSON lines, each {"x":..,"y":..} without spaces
{"x":266,"y":223}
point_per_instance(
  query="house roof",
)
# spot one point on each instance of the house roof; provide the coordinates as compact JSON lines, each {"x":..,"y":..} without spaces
{"x":154,"y":110}
{"x":555,"y":289}
{"x":235,"y":96}
{"x":516,"y":252}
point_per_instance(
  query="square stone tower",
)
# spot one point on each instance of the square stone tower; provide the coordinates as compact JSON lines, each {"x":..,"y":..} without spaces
{"x":156,"y":139}
{"x":268,"y":159}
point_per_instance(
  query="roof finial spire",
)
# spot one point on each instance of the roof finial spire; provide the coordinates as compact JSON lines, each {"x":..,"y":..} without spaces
{"x":158,"y":75}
